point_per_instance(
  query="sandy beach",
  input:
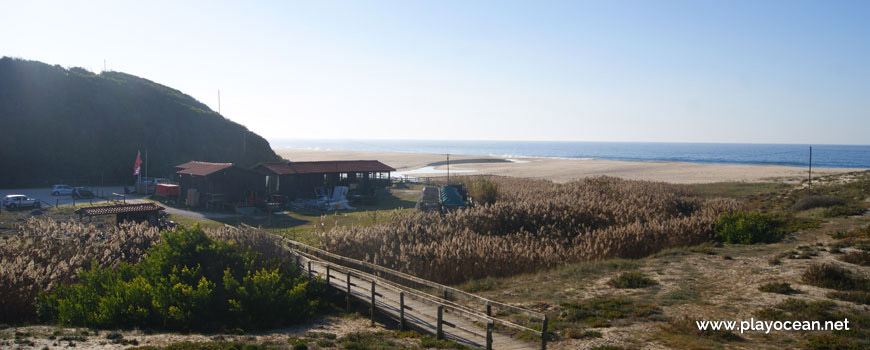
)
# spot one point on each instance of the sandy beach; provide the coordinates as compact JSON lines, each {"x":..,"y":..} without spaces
{"x":563,"y":170}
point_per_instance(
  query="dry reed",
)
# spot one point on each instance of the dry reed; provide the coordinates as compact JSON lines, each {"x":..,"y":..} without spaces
{"x":44,"y":253}
{"x":536,"y":224}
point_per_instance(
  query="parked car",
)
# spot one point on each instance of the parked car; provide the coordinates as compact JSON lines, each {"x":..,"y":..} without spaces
{"x":61,"y":190}
{"x":81,"y":192}
{"x":14,"y":201}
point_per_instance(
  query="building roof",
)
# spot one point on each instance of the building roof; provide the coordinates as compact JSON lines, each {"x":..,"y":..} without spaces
{"x":197,"y":168}
{"x":118,"y":209}
{"x":329,"y":166}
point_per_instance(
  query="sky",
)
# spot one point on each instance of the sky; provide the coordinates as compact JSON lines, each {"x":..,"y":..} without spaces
{"x":660,"y":71}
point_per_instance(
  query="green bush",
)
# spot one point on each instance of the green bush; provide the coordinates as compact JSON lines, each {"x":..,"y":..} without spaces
{"x":187,"y":282}
{"x":484,"y":191}
{"x":748,"y":228}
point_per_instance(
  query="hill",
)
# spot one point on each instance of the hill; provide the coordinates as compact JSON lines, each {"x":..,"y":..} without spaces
{"x":78,"y":127}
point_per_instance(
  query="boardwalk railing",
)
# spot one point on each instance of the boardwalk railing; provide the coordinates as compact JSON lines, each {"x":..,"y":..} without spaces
{"x":397,"y":293}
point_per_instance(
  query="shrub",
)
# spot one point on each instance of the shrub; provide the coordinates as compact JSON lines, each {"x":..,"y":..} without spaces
{"x":188,"y":281}
{"x":810,"y":202}
{"x":843,"y":210}
{"x":858,"y":297}
{"x":633,"y":279}
{"x":834,"y":277}
{"x":858,"y":258}
{"x":779,"y":288}
{"x":748,"y":228}
{"x":483,"y":190}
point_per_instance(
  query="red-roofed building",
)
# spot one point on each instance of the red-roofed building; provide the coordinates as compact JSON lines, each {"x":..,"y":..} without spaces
{"x":217,"y":184}
{"x":300,"y":179}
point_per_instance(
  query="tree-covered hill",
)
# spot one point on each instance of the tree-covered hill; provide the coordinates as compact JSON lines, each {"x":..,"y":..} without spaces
{"x":74,"y":126}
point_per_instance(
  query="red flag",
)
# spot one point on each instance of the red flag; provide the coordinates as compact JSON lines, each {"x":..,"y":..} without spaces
{"x":138,"y":164}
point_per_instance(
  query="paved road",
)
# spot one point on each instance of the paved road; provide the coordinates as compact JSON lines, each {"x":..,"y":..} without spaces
{"x":44,"y":194}
{"x":422,"y":316}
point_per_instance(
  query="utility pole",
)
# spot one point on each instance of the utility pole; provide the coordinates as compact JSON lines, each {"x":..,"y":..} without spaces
{"x":448,"y":170}
{"x":811,"y":171}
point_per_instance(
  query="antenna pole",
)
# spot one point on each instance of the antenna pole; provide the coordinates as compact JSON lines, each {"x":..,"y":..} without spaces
{"x":448,"y":170}
{"x":811,"y":171}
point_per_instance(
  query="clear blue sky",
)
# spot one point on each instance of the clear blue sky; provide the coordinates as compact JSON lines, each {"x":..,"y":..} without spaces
{"x":705,"y":71}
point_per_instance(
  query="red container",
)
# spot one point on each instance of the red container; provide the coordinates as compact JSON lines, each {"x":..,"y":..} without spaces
{"x":167,"y":190}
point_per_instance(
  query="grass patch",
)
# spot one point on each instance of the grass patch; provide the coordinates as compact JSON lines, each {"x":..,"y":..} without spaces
{"x":815,"y":201}
{"x":858,"y":337}
{"x":573,"y":333}
{"x":605,"y":312}
{"x":481,"y":285}
{"x":633,"y":279}
{"x":684,"y":295}
{"x":843,"y":210}
{"x":779,"y":288}
{"x":207,"y":346}
{"x":687,"y":326}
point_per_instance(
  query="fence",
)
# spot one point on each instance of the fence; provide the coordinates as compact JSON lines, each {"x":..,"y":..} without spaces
{"x":401,"y":286}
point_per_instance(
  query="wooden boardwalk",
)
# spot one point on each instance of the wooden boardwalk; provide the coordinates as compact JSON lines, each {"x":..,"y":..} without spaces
{"x":413,"y":308}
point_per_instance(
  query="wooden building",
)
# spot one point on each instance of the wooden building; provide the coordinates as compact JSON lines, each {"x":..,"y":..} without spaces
{"x":217,"y":184}
{"x":141,"y":212}
{"x":364,"y":178}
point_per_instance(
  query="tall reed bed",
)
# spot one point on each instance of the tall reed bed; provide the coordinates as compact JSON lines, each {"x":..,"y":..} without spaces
{"x":535,"y":224}
{"x":45,"y":253}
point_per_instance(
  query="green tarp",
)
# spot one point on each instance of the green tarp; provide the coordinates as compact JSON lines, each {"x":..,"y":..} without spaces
{"x":450,"y":197}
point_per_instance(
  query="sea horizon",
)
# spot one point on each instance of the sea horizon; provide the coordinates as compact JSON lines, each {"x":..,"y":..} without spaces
{"x":782,"y":154}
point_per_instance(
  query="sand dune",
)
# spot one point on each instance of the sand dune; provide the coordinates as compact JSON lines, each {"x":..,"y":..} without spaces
{"x":563,"y":170}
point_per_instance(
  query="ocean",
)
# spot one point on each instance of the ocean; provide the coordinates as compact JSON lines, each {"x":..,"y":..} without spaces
{"x":824,"y":156}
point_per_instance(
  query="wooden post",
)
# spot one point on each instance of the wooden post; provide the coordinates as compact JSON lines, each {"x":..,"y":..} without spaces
{"x":488,"y":309}
{"x":348,"y":291}
{"x":327,"y":274}
{"x":810,"y":177}
{"x":489,"y":335}
{"x":373,"y":302}
{"x":445,"y":294}
{"x":544,"y":333}
{"x":310,"y":275}
{"x":401,"y":311}
{"x":439,"y":334}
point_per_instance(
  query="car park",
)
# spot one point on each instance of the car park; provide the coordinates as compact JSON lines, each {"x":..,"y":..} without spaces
{"x":14,"y":201}
{"x":61,"y":190}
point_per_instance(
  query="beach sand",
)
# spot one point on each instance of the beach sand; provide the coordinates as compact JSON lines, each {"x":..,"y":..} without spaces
{"x":563,"y":170}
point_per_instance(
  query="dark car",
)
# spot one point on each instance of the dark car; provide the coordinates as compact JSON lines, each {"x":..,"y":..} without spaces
{"x":82,"y":193}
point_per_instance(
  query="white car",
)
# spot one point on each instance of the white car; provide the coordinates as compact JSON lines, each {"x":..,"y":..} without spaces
{"x":61,"y":190}
{"x":14,"y":201}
